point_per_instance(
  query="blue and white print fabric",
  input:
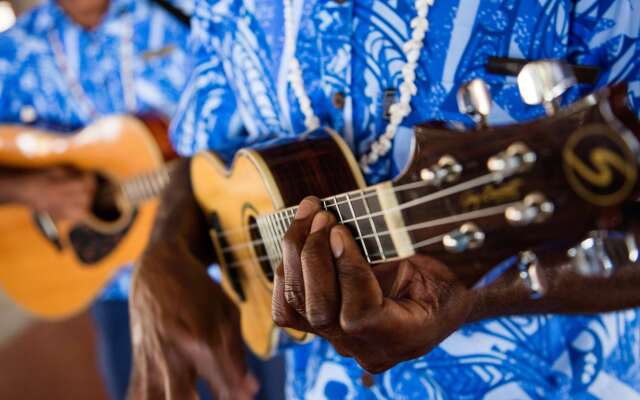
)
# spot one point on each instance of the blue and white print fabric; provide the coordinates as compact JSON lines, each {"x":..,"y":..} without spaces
{"x":35,"y":89}
{"x":238,"y":95}
{"x":32,"y":79}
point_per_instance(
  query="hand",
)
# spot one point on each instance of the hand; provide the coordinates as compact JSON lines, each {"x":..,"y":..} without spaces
{"x":381,"y":315}
{"x":183,"y":325}
{"x":62,"y":192}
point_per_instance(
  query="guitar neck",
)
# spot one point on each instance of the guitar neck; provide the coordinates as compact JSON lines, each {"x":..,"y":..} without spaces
{"x":147,"y":186}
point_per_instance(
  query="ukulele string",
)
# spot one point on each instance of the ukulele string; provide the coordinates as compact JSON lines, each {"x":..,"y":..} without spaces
{"x":494,"y":177}
{"x":470,"y":184}
{"x":477,"y":214}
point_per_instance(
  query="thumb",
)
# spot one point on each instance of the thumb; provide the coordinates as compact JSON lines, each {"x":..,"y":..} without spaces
{"x":359,"y":289}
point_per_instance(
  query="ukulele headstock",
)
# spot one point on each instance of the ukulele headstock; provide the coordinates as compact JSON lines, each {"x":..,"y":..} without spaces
{"x":497,"y":191}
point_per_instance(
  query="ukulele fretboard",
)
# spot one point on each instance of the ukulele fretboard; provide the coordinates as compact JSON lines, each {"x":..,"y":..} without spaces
{"x":372,"y":215}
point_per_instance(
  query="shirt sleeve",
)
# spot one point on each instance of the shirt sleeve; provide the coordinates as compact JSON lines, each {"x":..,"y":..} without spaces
{"x":207,"y":117}
{"x":605,"y":33}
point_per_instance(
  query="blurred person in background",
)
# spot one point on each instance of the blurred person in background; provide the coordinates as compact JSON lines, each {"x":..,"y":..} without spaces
{"x":64,"y":64}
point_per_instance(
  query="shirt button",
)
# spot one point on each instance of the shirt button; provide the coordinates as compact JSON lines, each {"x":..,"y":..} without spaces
{"x":338,"y":100}
{"x":367,"y":380}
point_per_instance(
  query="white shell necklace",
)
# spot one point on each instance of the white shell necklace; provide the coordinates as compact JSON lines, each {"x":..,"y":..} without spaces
{"x":408,"y":88}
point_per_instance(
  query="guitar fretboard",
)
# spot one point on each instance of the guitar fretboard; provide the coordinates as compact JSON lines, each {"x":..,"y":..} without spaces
{"x":362,"y":211}
{"x":147,"y":186}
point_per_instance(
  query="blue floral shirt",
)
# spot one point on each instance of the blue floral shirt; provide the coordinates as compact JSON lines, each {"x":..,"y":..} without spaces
{"x":36,"y":83}
{"x":238,"y":95}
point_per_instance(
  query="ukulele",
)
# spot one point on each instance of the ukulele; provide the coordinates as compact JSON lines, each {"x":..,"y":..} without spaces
{"x":53,"y":269}
{"x":469,"y":200}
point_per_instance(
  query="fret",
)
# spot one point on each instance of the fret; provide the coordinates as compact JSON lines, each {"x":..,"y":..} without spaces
{"x":380,"y":224}
{"x":292,"y":215}
{"x":279,"y":234}
{"x":265,"y":234}
{"x":353,"y":220}
{"x":371,"y":215}
{"x":272,"y":241}
{"x":281,"y":225}
{"x":337,"y":209}
{"x":143,"y":187}
{"x":369,"y":229}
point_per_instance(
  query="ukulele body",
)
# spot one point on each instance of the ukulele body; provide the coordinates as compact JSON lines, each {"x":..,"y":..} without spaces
{"x":261,"y":181}
{"x":56,"y":273}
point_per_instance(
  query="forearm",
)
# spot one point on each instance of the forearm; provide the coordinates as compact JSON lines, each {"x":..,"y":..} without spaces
{"x":567,"y":291}
{"x":180,"y":227}
{"x":12,"y":182}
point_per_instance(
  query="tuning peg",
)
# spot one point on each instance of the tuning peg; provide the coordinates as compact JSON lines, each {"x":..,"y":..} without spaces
{"x":544,"y":82}
{"x":474,"y":99}
{"x":534,"y":209}
{"x":467,"y":237}
{"x":602,"y":252}
{"x":517,"y":158}
{"x":447,"y":170}
{"x":531,"y":274}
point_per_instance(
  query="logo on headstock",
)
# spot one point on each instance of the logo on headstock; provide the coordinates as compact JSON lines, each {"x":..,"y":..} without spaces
{"x":599,"y":166}
{"x":492,"y":195}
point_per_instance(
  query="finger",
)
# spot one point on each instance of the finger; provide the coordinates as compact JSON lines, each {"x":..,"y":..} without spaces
{"x":360,"y":292}
{"x":282,"y":313}
{"x":319,"y":275}
{"x":294,"y":241}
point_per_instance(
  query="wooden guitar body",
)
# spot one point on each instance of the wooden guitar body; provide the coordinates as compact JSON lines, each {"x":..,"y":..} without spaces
{"x":259,"y":182}
{"x":53,"y":276}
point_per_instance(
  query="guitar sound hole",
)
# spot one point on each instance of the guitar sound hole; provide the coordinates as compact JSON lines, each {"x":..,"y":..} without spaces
{"x":260,"y":250}
{"x":105,"y":206}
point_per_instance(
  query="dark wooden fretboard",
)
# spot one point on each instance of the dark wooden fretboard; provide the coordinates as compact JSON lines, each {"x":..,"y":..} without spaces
{"x":362,"y":211}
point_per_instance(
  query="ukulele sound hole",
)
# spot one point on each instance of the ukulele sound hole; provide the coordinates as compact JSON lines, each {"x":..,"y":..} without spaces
{"x":260,"y":250}
{"x":105,"y":206}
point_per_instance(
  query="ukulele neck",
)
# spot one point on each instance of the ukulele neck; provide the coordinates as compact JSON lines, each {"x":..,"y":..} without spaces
{"x":372,"y":215}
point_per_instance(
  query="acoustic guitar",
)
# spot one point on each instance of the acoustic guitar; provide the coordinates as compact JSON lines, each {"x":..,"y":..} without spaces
{"x":469,"y":200}
{"x":53,"y":269}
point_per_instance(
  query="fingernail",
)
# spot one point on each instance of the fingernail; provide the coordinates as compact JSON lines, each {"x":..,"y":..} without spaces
{"x":305,"y":209}
{"x":319,"y":222}
{"x":337,"y":244}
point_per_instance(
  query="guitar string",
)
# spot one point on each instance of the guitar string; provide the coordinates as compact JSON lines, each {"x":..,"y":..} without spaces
{"x":481,"y":180}
{"x":483,"y":213}
{"x":470,"y":184}
{"x":424,"y":243}
{"x":141,"y":187}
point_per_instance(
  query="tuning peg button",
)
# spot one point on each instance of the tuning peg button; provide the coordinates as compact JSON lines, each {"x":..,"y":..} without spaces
{"x":515,"y":159}
{"x":602,"y":252}
{"x":535,"y":208}
{"x":467,"y":237}
{"x":544,"y":82}
{"x":531,"y":274}
{"x":447,"y":170}
{"x":474,"y":99}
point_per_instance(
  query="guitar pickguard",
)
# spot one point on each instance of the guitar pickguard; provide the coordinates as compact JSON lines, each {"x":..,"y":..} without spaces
{"x":91,"y":246}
